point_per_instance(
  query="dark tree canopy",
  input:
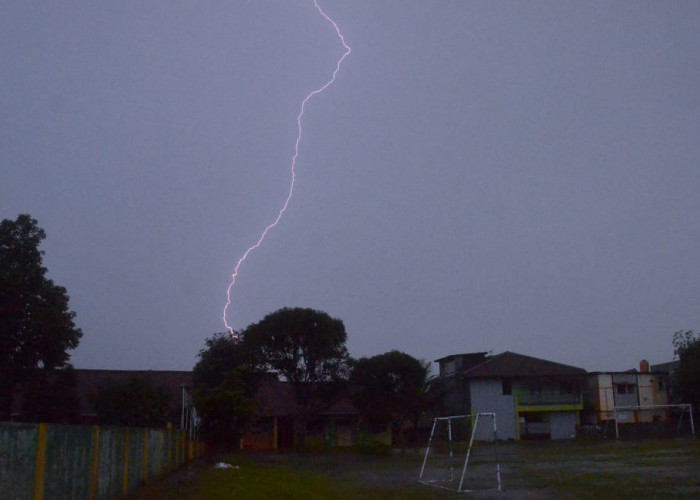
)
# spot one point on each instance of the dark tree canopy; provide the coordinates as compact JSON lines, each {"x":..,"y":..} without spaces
{"x":136,"y":403}
{"x":36,"y":325}
{"x":224,"y":390}
{"x":393,"y":387}
{"x":686,"y":346}
{"x":306,"y":348}
{"x":50,"y":396}
{"x":302,"y":345}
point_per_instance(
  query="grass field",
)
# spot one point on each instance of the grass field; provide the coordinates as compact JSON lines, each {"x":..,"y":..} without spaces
{"x":534,"y":470}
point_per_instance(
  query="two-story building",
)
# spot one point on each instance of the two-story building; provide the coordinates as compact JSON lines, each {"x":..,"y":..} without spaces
{"x":533,"y":398}
{"x":631,"y":393}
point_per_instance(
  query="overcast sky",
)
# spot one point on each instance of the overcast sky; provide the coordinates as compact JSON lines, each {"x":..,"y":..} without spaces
{"x":482,"y":175}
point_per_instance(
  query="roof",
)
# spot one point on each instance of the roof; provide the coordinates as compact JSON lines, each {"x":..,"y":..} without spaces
{"x":275,"y":398}
{"x":88,"y":383}
{"x":511,"y":364}
{"x":463,"y":356}
{"x":669,"y":366}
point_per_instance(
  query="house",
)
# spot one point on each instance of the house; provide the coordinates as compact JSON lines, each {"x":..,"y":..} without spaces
{"x":629,"y":391}
{"x":533,"y":398}
{"x":336,"y":425}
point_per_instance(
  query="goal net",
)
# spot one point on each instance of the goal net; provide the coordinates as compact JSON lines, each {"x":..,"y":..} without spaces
{"x":462,"y":454}
{"x":652,"y":421}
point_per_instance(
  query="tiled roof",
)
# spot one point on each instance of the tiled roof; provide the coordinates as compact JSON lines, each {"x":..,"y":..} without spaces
{"x":88,"y":383}
{"x":511,"y":364}
{"x":276,"y":398}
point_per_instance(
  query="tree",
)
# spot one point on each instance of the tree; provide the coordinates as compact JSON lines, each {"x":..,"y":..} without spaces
{"x":307,"y":348}
{"x":224,"y":385}
{"x":36,"y":326}
{"x":135,"y":403}
{"x":50,"y":396}
{"x":393,"y":387}
{"x":686,"y":345}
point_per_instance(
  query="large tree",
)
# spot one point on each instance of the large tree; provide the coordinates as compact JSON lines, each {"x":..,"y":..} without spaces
{"x":686,"y":346}
{"x":393,"y":388}
{"x":224,"y":385}
{"x":306,"y":348}
{"x":36,"y":326}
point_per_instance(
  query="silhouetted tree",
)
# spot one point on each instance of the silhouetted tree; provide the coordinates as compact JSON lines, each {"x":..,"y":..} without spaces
{"x":36,"y":326}
{"x":307,"y":349}
{"x":393,"y":387}
{"x":224,"y":385}
{"x":686,"y":346}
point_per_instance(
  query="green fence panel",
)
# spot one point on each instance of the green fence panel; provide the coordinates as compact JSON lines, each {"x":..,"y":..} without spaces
{"x":156,"y":440}
{"x":111,"y":459}
{"x":67,"y":469}
{"x":17,"y":455}
{"x":135,"y":458}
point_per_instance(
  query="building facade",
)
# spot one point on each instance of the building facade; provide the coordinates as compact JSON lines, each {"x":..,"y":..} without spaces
{"x":533,"y":398}
{"x":630,"y":392}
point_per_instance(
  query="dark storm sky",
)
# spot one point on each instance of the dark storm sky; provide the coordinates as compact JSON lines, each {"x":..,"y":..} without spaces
{"x":483,"y":175}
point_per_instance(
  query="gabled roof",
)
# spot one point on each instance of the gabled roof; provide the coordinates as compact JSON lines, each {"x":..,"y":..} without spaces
{"x":467,"y":359}
{"x":511,"y":364}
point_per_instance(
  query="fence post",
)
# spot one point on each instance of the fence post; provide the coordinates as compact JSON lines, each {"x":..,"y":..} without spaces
{"x":94,"y":462}
{"x":40,"y":462}
{"x":125,"y":475}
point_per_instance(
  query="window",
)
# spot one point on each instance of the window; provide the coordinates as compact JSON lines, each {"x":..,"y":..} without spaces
{"x":506,"y":387}
{"x":625,"y":388}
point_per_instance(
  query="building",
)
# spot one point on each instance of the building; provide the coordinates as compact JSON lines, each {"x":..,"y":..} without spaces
{"x":630,"y":392}
{"x":276,"y":409}
{"x":533,"y":398}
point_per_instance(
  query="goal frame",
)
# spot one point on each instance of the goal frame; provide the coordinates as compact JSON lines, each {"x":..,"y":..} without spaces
{"x":475,"y":423}
{"x":686,"y":407}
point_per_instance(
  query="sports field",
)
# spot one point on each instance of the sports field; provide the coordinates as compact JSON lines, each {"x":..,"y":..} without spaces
{"x":534,"y":470}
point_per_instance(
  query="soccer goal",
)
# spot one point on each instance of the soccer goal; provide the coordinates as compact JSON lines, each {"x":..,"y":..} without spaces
{"x":462,"y":454}
{"x":674,"y":420}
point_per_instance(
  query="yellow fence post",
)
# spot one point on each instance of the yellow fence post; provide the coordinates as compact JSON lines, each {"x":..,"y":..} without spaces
{"x":40,"y":462}
{"x":125,"y":475}
{"x":94,"y":462}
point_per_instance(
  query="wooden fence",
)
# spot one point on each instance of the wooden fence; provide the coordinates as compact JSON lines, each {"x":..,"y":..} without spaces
{"x":46,"y":461}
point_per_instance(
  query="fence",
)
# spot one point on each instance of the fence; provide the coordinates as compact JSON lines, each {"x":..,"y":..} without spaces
{"x":42,"y":461}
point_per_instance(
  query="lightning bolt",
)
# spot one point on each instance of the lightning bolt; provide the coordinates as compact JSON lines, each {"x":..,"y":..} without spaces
{"x":293,"y":165}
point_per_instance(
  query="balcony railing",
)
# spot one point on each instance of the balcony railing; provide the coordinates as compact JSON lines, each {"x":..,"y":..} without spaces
{"x":548,"y":399}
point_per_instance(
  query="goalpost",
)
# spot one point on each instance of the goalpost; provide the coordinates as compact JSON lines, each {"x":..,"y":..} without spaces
{"x":674,"y":419}
{"x":452,"y":444}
